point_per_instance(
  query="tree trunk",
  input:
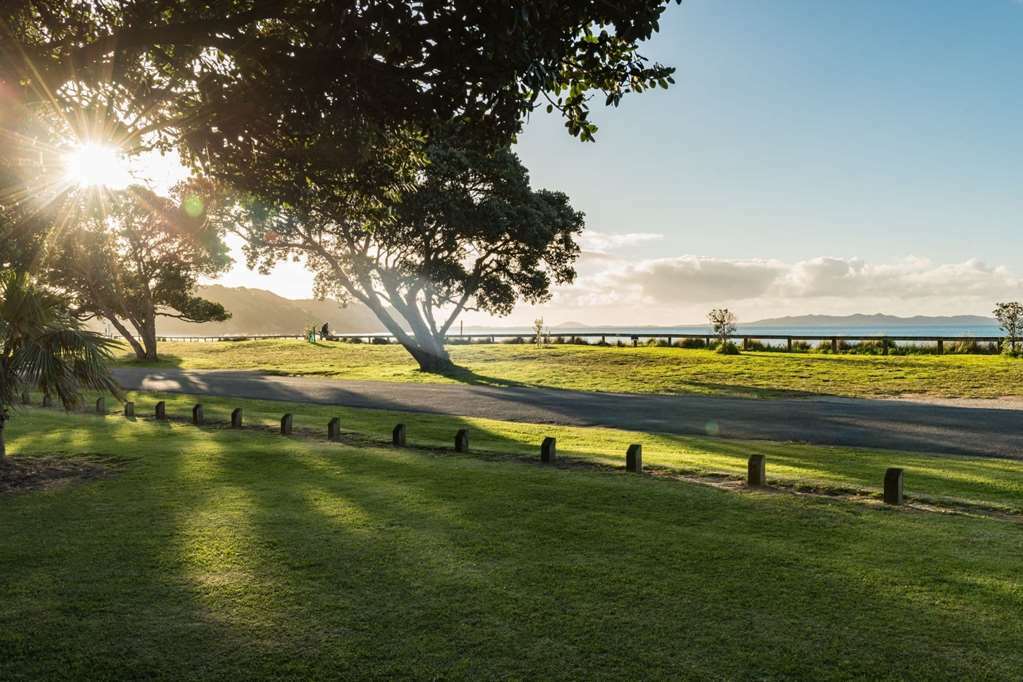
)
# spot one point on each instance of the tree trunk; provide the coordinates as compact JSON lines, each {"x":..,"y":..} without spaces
{"x":140,"y":351}
{"x":149,"y":339}
{"x":435,"y":363}
{"x":3,"y":443}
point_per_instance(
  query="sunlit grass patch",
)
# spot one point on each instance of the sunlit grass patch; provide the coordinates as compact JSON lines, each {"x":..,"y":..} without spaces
{"x":244,"y":554}
{"x":626,"y":370}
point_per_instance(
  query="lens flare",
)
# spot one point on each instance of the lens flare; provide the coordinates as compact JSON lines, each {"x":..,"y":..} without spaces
{"x":97,"y":165}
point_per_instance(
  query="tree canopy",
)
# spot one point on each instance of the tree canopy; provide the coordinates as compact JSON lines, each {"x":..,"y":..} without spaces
{"x":220,"y":72}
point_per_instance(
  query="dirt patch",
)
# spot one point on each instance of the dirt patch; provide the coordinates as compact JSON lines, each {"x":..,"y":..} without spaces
{"x":22,"y":474}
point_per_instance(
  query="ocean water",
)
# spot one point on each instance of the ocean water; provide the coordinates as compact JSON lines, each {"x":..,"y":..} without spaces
{"x":946,"y":331}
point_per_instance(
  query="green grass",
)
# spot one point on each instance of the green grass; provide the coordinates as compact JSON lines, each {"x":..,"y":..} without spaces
{"x":961,"y":481}
{"x":221,"y":554}
{"x":627,"y":370}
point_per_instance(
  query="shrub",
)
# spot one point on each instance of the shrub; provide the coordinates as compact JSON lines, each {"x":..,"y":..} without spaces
{"x":727,"y":348}
{"x":355,"y":339}
{"x":515,"y":341}
{"x":966,"y":346}
{"x":825,"y":346}
{"x":380,"y":341}
{"x":691,"y":343}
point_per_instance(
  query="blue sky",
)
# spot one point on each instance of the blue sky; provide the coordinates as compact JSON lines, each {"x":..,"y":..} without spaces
{"x":812,"y":157}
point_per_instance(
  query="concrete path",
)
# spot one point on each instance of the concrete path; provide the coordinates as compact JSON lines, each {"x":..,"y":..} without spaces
{"x":895,"y":424}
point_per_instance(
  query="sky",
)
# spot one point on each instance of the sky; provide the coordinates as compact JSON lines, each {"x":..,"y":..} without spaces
{"x":813,"y":157}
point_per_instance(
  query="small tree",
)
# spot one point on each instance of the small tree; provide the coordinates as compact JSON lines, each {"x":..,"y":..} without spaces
{"x":137,"y":256}
{"x":42,"y":346}
{"x":1010,"y":319}
{"x":723,"y":322}
{"x":538,"y":332}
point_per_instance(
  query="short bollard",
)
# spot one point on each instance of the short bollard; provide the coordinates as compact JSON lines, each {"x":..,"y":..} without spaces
{"x":236,"y":418}
{"x":101,"y":405}
{"x":756,"y":471}
{"x":286,"y":425}
{"x":198,"y":416}
{"x":893,"y":486}
{"x":634,"y":458}
{"x":462,"y":441}
{"x":398,"y":436}
{"x":334,"y":429}
{"x":129,"y":410}
{"x":47,"y":401}
{"x":161,"y":411}
{"x":548,"y":450}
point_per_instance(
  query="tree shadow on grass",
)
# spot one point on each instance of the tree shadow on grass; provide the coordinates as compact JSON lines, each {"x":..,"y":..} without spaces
{"x":459,"y":568}
{"x":230,"y":555}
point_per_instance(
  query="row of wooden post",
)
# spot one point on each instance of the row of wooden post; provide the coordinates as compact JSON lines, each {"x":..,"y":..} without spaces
{"x":756,"y":476}
{"x":756,"y":468}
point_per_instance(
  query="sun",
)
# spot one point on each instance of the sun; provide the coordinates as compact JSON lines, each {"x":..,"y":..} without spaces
{"x":97,"y":165}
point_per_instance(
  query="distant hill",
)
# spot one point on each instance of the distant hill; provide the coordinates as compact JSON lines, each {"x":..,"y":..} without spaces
{"x":876,"y":320}
{"x":257,"y":311}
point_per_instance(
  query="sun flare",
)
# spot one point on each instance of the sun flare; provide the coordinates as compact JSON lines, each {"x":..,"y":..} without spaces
{"x":97,"y":165}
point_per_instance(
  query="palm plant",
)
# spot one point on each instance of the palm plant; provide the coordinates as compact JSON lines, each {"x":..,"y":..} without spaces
{"x":42,"y":345}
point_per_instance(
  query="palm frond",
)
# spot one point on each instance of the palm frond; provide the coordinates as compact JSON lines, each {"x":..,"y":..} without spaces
{"x":42,"y":346}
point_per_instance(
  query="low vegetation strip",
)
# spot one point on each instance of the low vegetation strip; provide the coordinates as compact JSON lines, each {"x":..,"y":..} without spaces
{"x":626,"y":370}
{"x":217,"y":553}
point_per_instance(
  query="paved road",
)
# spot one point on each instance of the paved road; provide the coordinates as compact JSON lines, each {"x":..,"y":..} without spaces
{"x":893,"y":424}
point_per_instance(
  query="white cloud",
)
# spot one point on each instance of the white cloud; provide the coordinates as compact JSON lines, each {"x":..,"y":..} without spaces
{"x":592,"y":240}
{"x":685,"y":280}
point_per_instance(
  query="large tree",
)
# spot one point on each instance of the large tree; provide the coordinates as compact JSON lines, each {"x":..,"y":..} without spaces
{"x":42,"y":346}
{"x":135,"y":256}
{"x":468,"y":233}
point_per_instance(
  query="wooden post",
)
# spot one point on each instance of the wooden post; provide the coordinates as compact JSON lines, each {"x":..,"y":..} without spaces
{"x":893,"y":486}
{"x":129,"y":410}
{"x":548,"y":450}
{"x":334,"y":429}
{"x":26,"y":399}
{"x":745,"y":343}
{"x":198,"y":416}
{"x":47,"y":400}
{"x":941,"y":346}
{"x":101,"y":406}
{"x":161,"y":411}
{"x":236,"y":418}
{"x":788,"y":344}
{"x":634,"y":458}
{"x":884,"y":345}
{"x":756,"y":471}
{"x":669,"y":340}
{"x":286,"y":424}
{"x":462,"y":441}
{"x":834,"y":344}
{"x":635,"y":341}
{"x":398,"y":436}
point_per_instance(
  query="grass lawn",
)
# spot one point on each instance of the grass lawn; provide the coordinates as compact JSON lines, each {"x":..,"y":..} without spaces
{"x":221,"y":554}
{"x":626,"y":370}
{"x":984,"y":482}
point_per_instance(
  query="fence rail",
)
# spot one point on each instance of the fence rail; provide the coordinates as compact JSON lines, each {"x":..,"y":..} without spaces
{"x":746,"y":338}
